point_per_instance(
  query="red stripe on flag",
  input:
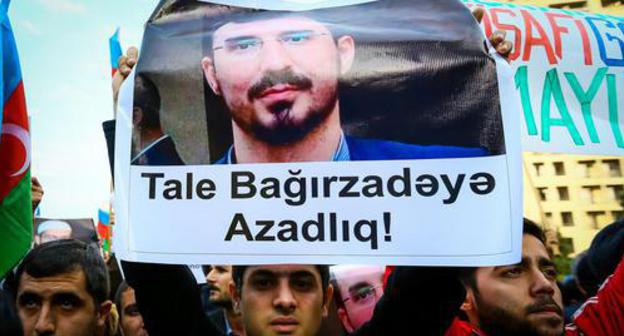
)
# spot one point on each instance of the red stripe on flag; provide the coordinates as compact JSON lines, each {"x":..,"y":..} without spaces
{"x":14,"y":149}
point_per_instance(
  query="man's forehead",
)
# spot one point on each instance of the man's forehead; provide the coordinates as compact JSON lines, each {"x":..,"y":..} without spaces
{"x":70,"y":281}
{"x":533,"y":248}
{"x":272,"y":26}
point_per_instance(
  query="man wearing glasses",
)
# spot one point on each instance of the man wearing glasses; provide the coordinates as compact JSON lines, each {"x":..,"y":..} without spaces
{"x":357,"y":288}
{"x":278,"y":76}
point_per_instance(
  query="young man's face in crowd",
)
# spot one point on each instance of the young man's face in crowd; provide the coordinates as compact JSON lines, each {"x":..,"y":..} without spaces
{"x":218,"y":280}
{"x":360,"y":288}
{"x":520,"y":299}
{"x":131,"y":321}
{"x":282,"y":300}
{"x":59,"y":305}
{"x":278,"y":77}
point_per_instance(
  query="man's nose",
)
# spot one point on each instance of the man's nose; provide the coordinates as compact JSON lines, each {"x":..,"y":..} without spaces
{"x":284,"y":300}
{"x":45,"y":321}
{"x":274,"y":56}
{"x":541,"y":284}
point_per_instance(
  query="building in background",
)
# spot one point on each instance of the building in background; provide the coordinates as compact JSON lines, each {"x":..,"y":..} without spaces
{"x":574,"y":195}
{"x":610,"y":7}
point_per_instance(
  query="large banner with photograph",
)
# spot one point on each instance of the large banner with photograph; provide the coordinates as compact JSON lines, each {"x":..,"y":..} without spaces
{"x":569,"y":73}
{"x":318,"y":132}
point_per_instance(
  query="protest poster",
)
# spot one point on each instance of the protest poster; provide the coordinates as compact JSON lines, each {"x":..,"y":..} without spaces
{"x":318,"y":132}
{"x":49,"y":229}
{"x":569,"y":73}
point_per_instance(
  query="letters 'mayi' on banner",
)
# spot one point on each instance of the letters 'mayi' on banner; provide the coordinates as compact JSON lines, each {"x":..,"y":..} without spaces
{"x":308,"y":132}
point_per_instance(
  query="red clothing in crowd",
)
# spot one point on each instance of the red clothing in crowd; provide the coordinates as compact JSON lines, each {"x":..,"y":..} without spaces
{"x":601,"y":315}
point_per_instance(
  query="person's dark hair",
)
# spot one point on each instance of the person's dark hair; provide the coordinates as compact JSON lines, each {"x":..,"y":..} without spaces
{"x":65,"y":256}
{"x":147,"y":98}
{"x":123,"y":286}
{"x":10,"y":324}
{"x":467,"y":274}
{"x":206,"y":269}
{"x":238,"y":272}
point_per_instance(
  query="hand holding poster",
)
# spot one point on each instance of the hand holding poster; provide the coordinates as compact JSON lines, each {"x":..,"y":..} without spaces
{"x":376,"y":131}
{"x":569,"y":73}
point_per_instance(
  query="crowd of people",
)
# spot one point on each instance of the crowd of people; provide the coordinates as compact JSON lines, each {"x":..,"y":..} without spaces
{"x":64,"y":286}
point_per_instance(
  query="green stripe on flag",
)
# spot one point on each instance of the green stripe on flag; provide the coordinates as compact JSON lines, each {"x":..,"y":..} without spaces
{"x":16,"y":222}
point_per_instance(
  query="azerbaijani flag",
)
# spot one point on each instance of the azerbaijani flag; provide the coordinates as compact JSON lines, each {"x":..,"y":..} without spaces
{"x":104,"y":230}
{"x":16,"y":218}
{"x":115,"y":51}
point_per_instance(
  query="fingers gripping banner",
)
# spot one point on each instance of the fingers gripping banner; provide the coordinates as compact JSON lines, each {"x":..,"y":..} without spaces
{"x":318,"y":132}
{"x":569,"y":73}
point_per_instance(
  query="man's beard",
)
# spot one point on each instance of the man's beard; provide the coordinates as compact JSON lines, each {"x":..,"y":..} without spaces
{"x":284,"y":130}
{"x":495,"y":321}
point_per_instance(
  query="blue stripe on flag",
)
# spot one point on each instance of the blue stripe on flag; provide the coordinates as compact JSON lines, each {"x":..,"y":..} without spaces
{"x":103,"y":217}
{"x":10,"y":75}
{"x":115,"y":49}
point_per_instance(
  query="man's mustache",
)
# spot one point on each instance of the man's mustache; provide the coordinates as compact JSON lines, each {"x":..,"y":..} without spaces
{"x":543,"y":304}
{"x":272,"y":78}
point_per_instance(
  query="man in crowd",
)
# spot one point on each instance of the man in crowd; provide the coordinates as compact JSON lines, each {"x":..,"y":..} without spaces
{"x":131,"y":321}
{"x":524,"y":299}
{"x":357,"y":288}
{"x":226,"y":318}
{"x":151,"y":145}
{"x":61,"y":288}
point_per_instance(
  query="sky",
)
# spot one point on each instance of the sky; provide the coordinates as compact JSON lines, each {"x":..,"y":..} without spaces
{"x":63,"y":50}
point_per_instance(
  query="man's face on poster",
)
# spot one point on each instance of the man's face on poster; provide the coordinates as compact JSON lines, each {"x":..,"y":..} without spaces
{"x":53,"y":230}
{"x":278,"y":77}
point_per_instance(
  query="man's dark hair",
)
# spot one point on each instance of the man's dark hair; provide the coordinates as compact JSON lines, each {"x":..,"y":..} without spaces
{"x":147,"y":98}
{"x":65,"y":256}
{"x":467,"y":274}
{"x":238,"y":272}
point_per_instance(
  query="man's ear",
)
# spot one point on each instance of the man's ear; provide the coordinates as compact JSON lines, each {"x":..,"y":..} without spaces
{"x":210,"y":74}
{"x":103,"y":311}
{"x":346,"y":52}
{"x":344,"y":319}
{"x":329,"y":295}
{"x":236,"y":297}
{"x":469,"y":306}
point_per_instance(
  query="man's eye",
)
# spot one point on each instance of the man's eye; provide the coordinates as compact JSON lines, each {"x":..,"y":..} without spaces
{"x":363,"y":294}
{"x":243,"y":45}
{"x":29,"y":303}
{"x":296,"y":38}
{"x":513,"y":272}
{"x":550,"y":272}
{"x":263,"y":283}
{"x":302,"y":284}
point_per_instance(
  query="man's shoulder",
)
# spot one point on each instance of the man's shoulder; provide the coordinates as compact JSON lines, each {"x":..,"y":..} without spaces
{"x":374,"y":149}
{"x":162,"y":153}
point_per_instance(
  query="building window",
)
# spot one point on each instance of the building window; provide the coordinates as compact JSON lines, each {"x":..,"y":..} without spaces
{"x":613,"y":168}
{"x":617,"y":214}
{"x":566,"y":218}
{"x":539,"y":168}
{"x":595,"y":218}
{"x":559,"y":168}
{"x":590,"y":194}
{"x":616,"y":192}
{"x":542,"y":194}
{"x":586,"y":167}
{"x":564,"y":194}
{"x":548,"y":218}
